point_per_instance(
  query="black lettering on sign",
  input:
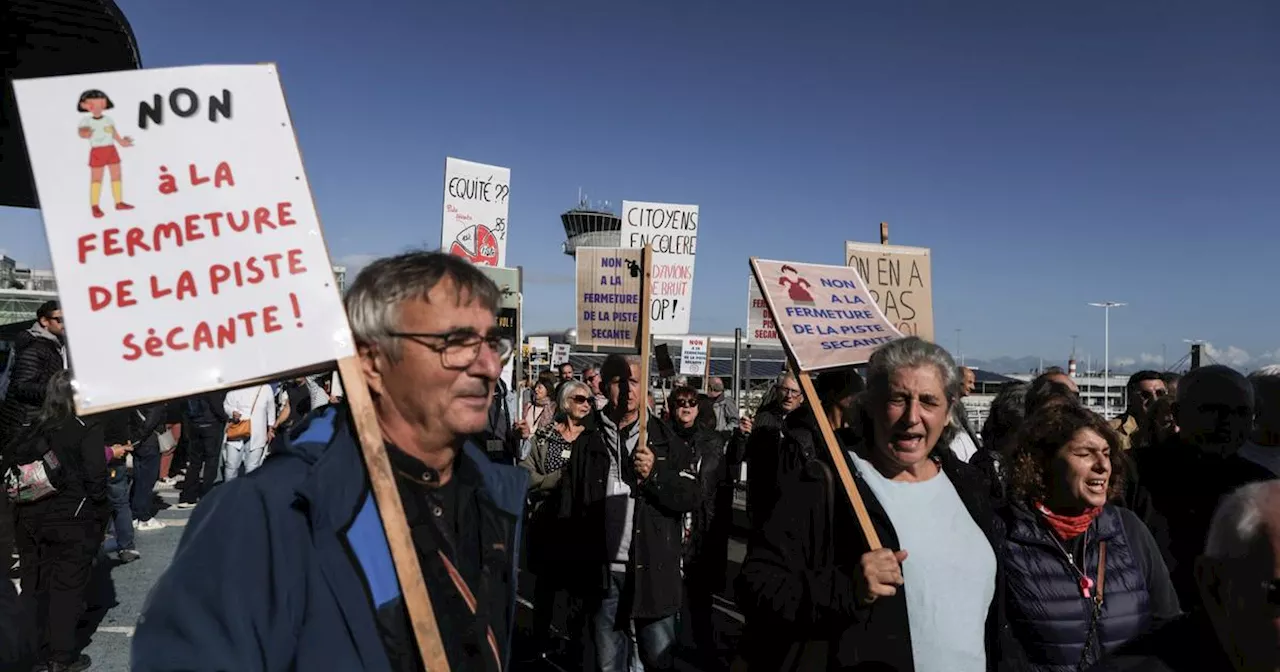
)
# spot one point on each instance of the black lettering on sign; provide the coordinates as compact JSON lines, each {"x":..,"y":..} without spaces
{"x":185,"y":103}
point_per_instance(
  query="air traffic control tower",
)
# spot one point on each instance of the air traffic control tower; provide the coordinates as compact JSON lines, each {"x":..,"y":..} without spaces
{"x":585,"y":226}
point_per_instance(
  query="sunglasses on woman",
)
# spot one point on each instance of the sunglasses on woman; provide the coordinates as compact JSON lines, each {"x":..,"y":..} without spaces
{"x":686,"y":403}
{"x":579,"y":399}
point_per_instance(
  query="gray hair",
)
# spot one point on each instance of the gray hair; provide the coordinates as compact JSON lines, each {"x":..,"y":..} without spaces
{"x":373,"y":302}
{"x":566,"y":390}
{"x":1239,"y":520}
{"x":909,"y":353}
{"x":715,"y":384}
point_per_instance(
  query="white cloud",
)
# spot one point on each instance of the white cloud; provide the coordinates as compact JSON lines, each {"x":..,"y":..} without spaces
{"x":1148,"y":358}
{"x":1230,"y":356}
{"x":1272,"y":356}
{"x":1125,"y":361}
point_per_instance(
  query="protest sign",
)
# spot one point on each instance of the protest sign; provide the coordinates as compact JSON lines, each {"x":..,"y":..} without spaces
{"x":672,"y":230}
{"x":194,"y":260}
{"x":206,"y":267}
{"x":541,"y":350}
{"x":559,"y":354}
{"x":824,"y":314}
{"x":693,"y":355}
{"x":900,"y":280}
{"x":475,"y":211}
{"x":510,"y":284}
{"x":610,"y":281}
{"x":760,"y":328}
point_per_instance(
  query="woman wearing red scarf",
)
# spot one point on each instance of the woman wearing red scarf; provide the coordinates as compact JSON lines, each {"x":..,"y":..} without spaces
{"x":1083,"y":576}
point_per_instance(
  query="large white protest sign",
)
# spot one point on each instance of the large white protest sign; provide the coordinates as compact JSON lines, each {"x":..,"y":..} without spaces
{"x":181,"y":229}
{"x":673,"y":231}
{"x":475,"y":211}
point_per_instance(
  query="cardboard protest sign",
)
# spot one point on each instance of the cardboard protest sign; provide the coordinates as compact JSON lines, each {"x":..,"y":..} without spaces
{"x":475,"y":211}
{"x":760,"y":327}
{"x":672,"y":230}
{"x":900,"y":279}
{"x":824,"y":314}
{"x":609,"y":293}
{"x":559,"y":354}
{"x":510,"y":284}
{"x":693,"y":355}
{"x":182,"y":232}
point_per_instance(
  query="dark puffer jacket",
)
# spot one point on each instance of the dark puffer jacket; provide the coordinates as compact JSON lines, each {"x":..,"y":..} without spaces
{"x":1048,"y":615}
{"x":38,"y":356}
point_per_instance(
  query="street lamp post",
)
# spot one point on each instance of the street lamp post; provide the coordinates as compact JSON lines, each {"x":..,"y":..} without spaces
{"x":1106,"y":307}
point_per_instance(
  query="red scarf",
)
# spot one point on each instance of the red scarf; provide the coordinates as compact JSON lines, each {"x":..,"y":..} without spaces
{"x":1068,"y":527}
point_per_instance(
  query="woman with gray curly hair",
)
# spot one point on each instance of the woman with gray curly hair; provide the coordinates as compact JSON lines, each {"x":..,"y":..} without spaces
{"x":825,"y":598}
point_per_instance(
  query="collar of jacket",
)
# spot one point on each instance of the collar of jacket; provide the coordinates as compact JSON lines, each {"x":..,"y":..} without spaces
{"x":1027,"y":528}
{"x":344,"y":520}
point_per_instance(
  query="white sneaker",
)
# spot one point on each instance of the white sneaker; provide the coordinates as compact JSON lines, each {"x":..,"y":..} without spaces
{"x":186,"y":505}
{"x":152,"y":524}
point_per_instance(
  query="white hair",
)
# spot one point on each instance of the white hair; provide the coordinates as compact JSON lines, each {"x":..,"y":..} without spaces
{"x":1239,"y":520}
{"x":566,"y":390}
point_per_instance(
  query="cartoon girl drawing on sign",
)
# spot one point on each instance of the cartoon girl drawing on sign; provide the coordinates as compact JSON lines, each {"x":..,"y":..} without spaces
{"x":796,"y":285}
{"x":100,"y":131}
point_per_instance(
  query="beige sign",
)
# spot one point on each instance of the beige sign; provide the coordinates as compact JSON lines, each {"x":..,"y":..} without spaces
{"x":609,"y":284}
{"x":760,"y":327}
{"x":901,"y":281}
{"x":824,"y":314}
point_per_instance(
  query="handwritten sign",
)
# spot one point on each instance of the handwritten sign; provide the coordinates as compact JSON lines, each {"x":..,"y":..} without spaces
{"x":559,"y":354}
{"x":693,"y":355}
{"x":182,"y":232}
{"x":900,"y":279}
{"x":760,"y":327}
{"x":673,"y":231}
{"x":825,"y":314}
{"x":609,"y":284}
{"x":541,"y":350}
{"x":475,"y":211}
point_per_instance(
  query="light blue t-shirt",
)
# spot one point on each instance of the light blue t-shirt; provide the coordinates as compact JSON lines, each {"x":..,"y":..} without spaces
{"x":949,"y":574}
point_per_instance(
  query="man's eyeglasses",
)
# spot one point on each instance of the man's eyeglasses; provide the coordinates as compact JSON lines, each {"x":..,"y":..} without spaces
{"x":55,"y":318}
{"x":788,"y":392}
{"x":460,"y":349}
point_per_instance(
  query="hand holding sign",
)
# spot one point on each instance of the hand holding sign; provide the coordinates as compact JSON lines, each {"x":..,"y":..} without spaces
{"x":643,"y":460}
{"x":880,"y":574}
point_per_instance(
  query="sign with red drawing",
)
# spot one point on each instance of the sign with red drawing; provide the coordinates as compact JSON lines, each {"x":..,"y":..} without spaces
{"x":824,"y":314}
{"x":203,"y":265}
{"x":475,"y":211}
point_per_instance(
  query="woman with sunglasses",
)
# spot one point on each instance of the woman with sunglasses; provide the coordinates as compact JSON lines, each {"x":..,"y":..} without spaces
{"x":549,"y":452}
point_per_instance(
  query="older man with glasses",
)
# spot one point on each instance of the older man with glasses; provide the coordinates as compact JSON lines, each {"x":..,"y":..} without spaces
{"x":289,"y":568}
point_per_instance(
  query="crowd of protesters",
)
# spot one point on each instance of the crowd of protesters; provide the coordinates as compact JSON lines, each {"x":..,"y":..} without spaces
{"x":1052,"y":540}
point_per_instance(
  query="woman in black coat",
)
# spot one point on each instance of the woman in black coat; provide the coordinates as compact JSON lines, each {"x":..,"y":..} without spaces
{"x":817,"y":597}
{"x":59,"y":535}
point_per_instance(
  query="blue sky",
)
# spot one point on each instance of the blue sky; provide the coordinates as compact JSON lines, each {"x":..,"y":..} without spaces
{"x":1050,"y":154}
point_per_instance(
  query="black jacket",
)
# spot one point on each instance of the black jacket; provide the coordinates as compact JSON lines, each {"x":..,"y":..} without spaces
{"x":38,"y":355}
{"x":706,"y":551}
{"x":80,"y":446}
{"x":660,"y":503}
{"x":207,"y":409}
{"x":797,"y":582}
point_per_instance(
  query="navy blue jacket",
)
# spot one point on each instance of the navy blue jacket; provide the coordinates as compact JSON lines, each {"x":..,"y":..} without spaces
{"x":284,"y":569}
{"x":1050,"y":618}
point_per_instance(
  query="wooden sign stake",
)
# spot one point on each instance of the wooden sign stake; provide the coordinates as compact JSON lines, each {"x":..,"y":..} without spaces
{"x":838,"y":459}
{"x":646,"y":288}
{"x":884,"y":233}
{"x":405,"y":557}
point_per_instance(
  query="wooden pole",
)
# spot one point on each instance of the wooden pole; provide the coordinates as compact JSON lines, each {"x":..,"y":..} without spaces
{"x":646,"y":290}
{"x":837,"y":456}
{"x":838,"y":459}
{"x":884,"y":233}
{"x":390,"y":510}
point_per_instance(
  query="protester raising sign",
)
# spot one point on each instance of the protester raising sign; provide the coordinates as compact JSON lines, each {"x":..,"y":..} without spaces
{"x":672,"y":230}
{"x":609,"y":292}
{"x":196,"y":261}
{"x":824,"y":314}
{"x":475,"y":211}
{"x":901,"y":283}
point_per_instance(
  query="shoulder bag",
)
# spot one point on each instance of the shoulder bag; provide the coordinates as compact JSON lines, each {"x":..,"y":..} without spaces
{"x":242,"y":430}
